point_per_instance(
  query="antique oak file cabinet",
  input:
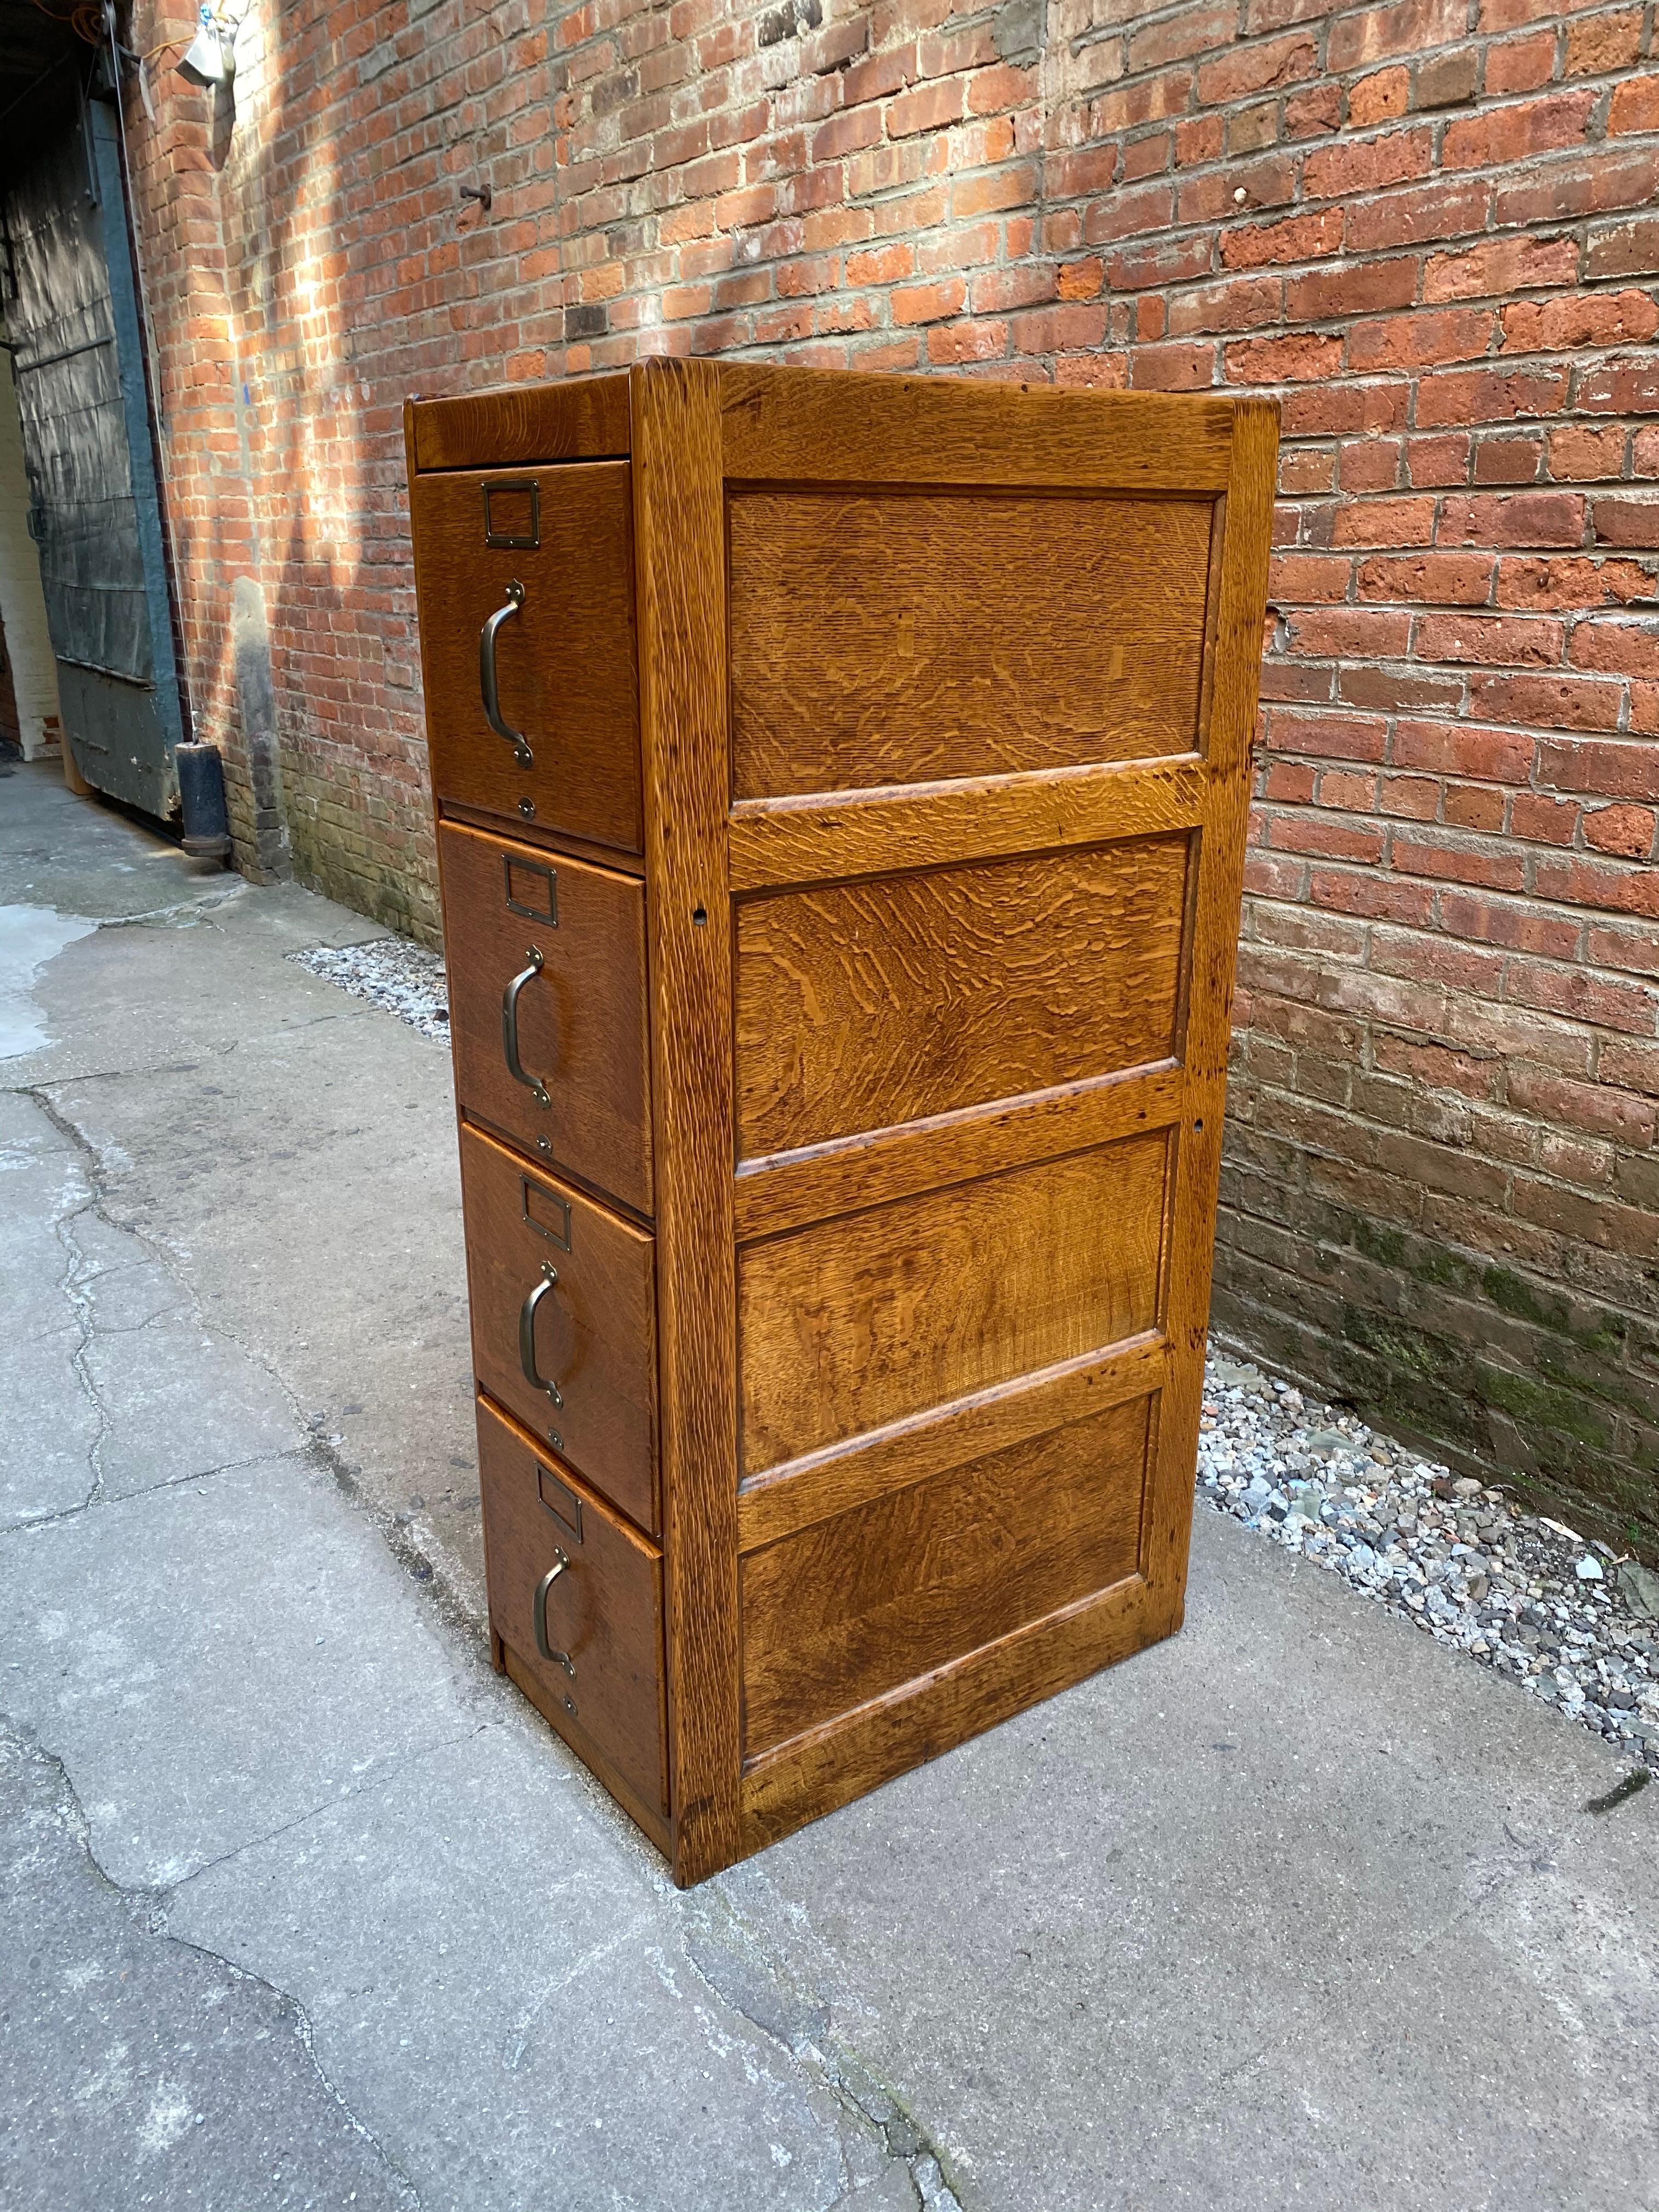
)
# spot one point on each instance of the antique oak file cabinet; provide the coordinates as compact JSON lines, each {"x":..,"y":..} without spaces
{"x":842,"y":786}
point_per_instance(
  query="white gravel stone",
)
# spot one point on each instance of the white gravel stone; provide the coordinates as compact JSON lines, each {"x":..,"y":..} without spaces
{"x":405,"y":979}
{"x":1517,"y":1592}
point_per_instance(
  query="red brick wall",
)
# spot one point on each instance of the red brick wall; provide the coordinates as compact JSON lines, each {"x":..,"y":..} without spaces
{"x":1424,"y":222}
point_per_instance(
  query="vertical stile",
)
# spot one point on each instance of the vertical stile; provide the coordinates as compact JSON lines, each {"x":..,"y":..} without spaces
{"x":1213,"y":958}
{"x":679,"y":541}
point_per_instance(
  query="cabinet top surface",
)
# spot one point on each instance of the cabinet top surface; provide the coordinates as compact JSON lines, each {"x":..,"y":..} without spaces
{"x":832,"y":424}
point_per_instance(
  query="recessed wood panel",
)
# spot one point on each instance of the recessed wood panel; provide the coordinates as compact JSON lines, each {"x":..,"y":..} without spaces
{"x":572,"y":937}
{"x":889,"y":638}
{"x":846,"y":1611}
{"x":562,"y":1291}
{"x":865,"y":1004}
{"x":858,"y":1321}
{"x":563,"y":656}
{"x":591,"y":1637}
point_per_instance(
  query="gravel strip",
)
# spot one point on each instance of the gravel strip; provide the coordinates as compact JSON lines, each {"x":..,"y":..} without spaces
{"x":405,"y":979}
{"x":1575,"y":1623}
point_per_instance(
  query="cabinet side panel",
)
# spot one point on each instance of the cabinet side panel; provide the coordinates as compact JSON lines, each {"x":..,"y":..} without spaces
{"x":680,"y":553}
{"x":853,"y":1324}
{"x":902,"y":637}
{"x":848,"y":1610}
{"x":865,"y":1005}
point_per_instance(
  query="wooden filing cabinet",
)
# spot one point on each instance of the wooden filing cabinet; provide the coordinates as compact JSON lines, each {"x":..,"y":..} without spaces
{"x":842,"y":786}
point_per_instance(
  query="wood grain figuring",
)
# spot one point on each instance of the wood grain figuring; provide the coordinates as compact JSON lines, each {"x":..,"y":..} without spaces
{"x":845,"y":1475}
{"x":585,"y":419}
{"x":847,"y":1611}
{"x":1241,"y":596}
{"x":813,"y":1774}
{"x":859,"y":1322}
{"x":680,"y":548}
{"x":777,"y":841}
{"x":604,"y":1611}
{"x":581,"y":1020}
{"x":908,"y":638}
{"x":565,"y":659}
{"x":594,"y":1328}
{"x":864,"y":1006}
{"x":548,"y":841}
{"x":805,"y":425}
{"x":781,"y":1191}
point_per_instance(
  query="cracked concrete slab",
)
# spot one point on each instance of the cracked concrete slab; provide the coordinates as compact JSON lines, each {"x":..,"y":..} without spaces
{"x":481,"y":1940}
{"x":52,"y":1422}
{"x":178,"y":1400}
{"x":134,"y":2070}
{"x":52,"y":1427}
{"x":1295,"y":1907}
{"x":348,"y":1274}
{"x":214,"y":1659}
{"x":290,"y":1153}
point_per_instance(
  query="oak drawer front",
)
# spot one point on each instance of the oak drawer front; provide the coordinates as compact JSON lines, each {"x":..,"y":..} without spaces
{"x":547,"y":1006}
{"x":576,"y":1596}
{"x":549,"y":620}
{"x":910,"y":637}
{"x":865,"y":1320}
{"x":564,"y":1330}
{"x":864,"y":1005}
{"x":854,"y":1607}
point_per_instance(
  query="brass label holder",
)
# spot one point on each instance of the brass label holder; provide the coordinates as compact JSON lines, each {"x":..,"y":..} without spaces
{"x":524,"y":541}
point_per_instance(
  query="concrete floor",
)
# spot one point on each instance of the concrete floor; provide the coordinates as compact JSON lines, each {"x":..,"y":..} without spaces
{"x":303,"y":1907}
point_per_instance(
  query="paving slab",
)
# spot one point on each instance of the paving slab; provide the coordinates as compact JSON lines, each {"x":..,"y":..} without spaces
{"x":216,"y":1657}
{"x":135,"y":2071}
{"x":288,"y":1150}
{"x":480,"y":1943}
{"x":51,"y":1420}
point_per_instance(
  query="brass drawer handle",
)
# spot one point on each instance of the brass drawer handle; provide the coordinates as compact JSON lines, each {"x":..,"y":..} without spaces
{"x":550,"y":1275}
{"x":539,"y":1618}
{"x":492,"y":702}
{"x":515,"y":1066}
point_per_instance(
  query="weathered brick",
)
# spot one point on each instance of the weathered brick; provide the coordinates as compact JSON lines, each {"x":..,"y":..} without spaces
{"x":1625,"y":830}
{"x":1299,"y":238}
{"x":1598,"y":318}
{"x":1631,"y":520}
{"x":1500,"y":265}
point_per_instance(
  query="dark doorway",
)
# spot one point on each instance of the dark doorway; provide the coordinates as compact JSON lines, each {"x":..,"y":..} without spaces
{"x":73,"y":316}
